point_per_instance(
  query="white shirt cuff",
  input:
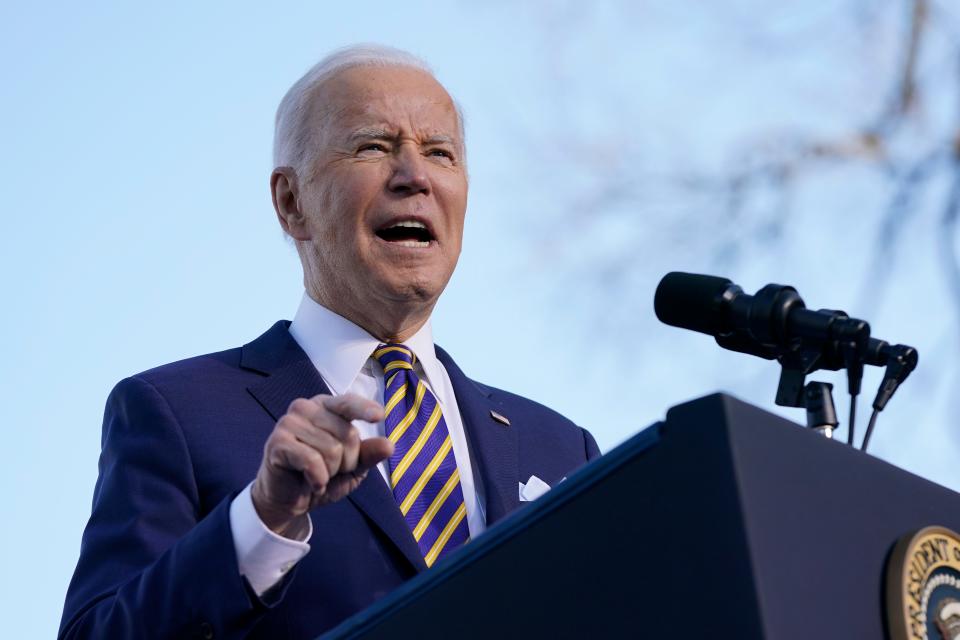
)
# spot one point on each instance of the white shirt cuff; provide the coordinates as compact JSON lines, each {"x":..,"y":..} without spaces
{"x":263,"y":556}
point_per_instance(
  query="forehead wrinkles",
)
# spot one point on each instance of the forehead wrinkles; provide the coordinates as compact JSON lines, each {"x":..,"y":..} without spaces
{"x":345,"y":103}
{"x":394,"y":117}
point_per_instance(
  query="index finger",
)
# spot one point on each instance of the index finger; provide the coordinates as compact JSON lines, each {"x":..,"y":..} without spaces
{"x":350,"y":406}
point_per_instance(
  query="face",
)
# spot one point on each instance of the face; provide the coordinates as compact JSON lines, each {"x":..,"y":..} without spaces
{"x":383,"y":195}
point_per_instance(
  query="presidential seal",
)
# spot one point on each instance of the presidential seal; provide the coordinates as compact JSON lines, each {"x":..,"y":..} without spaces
{"x":923,"y":586}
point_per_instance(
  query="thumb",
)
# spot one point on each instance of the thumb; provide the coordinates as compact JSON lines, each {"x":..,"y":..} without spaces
{"x":372,"y":451}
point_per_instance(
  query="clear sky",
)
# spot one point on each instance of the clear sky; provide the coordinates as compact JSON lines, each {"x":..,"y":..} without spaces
{"x":139,"y":230}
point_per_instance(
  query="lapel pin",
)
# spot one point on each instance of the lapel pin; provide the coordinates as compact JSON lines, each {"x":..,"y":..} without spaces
{"x":499,"y":418}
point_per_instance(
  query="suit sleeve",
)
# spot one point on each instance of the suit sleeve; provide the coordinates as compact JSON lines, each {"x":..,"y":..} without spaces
{"x":150,"y":566}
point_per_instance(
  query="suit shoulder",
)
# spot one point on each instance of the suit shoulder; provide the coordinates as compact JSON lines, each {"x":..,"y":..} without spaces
{"x":197,"y":393}
{"x":190,"y":381}
{"x":197,"y":367}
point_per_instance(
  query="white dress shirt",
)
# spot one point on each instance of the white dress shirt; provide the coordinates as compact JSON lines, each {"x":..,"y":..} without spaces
{"x":342,"y":353}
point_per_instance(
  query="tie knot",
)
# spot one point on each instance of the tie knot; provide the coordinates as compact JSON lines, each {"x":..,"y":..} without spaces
{"x":395,"y":356}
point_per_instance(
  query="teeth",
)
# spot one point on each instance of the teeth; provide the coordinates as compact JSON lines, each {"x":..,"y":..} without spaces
{"x":412,"y":243}
{"x":412,"y":224}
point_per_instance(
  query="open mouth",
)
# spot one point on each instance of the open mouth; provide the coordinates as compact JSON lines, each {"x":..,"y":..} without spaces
{"x":406,"y":233}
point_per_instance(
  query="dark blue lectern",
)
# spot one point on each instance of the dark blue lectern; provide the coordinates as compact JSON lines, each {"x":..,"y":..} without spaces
{"x":723,"y":521}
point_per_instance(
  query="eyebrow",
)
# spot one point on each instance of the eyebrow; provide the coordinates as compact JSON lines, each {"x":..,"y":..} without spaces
{"x":368,"y":133}
{"x":379,"y":133}
{"x":441,"y":139}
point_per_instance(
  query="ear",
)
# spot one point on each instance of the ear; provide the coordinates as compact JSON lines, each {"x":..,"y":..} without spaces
{"x":286,"y":201}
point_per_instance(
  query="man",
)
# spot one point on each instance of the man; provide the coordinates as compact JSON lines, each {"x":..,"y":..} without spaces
{"x":275,"y":489}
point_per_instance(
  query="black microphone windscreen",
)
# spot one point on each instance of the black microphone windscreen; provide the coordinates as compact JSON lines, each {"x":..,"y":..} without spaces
{"x":691,"y":301}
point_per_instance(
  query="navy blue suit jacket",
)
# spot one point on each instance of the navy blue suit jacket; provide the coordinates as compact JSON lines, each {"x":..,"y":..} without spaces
{"x":157,"y":558}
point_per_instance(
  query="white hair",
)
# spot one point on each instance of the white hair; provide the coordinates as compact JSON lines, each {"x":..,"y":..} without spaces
{"x":291,"y":140}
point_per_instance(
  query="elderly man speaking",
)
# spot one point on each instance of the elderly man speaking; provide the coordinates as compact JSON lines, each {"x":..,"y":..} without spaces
{"x":272,"y":490}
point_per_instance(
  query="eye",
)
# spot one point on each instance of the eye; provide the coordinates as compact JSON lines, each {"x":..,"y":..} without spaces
{"x":441,"y":153}
{"x":372,"y":148}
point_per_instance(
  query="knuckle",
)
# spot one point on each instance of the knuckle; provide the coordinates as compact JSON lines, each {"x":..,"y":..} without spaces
{"x":300,"y":405}
{"x":274,"y":457}
{"x":353,"y":436}
{"x":316,"y":464}
{"x":336,"y":449}
{"x":279,"y":441}
{"x":284,"y":425}
{"x":322,"y":399}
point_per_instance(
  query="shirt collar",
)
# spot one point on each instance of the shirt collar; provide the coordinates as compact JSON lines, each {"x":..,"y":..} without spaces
{"x":339,"y":349}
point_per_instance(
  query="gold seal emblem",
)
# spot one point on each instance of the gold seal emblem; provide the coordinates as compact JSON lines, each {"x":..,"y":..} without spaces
{"x":923,"y":586}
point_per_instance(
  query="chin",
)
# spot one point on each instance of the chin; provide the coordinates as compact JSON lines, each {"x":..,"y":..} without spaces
{"x":413,"y":283}
{"x":416,"y":292}
{"x":412,"y":290}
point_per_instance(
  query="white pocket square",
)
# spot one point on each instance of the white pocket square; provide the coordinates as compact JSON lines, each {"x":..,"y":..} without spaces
{"x":533,"y":489}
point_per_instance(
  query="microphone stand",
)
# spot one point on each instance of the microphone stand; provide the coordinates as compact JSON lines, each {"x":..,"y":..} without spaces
{"x":848,"y":349}
{"x":815,"y":397}
{"x":821,"y":414}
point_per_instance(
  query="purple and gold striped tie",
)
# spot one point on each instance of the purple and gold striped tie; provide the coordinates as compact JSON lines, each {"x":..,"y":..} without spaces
{"x":423,"y":470}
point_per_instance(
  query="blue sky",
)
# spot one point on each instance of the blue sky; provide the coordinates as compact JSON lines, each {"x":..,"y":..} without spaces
{"x":139,"y":228}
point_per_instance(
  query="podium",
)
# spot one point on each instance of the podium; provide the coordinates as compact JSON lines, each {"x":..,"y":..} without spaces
{"x":723,"y":521}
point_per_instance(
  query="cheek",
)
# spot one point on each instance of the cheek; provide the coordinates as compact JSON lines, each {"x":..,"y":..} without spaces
{"x":453,"y":194}
{"x":353,"y":196}
{"x":338,"y":214}
{"x":458,"y":225}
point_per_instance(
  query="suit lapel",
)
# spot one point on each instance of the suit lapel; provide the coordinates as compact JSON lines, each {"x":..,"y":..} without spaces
{"x":492,"y":443}
{"x":376,"y":501}
{"x":291,"y":375}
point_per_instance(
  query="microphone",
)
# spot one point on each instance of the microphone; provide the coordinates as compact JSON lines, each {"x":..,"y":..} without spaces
{"x":693,"y":301}
{"x":901,"y":360}
{"x":765,"y":324}
{"x":775,"y":324}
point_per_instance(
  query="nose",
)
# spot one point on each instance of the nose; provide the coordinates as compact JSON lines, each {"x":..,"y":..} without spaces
{"x":409,"y":175}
